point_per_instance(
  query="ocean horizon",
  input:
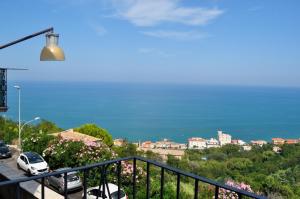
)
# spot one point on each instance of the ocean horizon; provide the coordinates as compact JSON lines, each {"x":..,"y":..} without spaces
{"x":156,"y":111}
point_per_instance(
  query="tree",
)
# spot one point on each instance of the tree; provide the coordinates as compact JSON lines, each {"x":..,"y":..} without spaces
{"x":98,"y":132}
{"x":36,"y":142}
{"x":48,"y":127}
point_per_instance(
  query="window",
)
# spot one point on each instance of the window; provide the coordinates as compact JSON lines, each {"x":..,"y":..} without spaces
{"x":34,"y":158}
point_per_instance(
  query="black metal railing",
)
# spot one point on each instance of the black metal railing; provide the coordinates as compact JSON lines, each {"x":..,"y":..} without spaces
{"x":103,"y":183}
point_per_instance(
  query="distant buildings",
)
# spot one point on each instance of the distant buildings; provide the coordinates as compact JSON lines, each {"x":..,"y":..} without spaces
{"x":163,"y":144}
{"x":247,"y":147}
{"x":238,"y":142}
{"x":278,"y":141}
{"x":164,"y":148}
{"x":291,"y":141}
{"x":212,"y":142}
{"x":224,"y":138}
{"x":258,"y":142}
{"x":196,"y":143}
{"x":281,"y":141}
{"x":119,"y":142}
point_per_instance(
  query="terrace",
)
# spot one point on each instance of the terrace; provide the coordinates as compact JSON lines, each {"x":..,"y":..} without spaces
{"x":113,"y":168}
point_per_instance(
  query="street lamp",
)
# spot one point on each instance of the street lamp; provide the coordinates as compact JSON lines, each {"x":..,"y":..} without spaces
{"x":51,"y":52}
{"x":19,"y":96}
{"x":21,"y":128}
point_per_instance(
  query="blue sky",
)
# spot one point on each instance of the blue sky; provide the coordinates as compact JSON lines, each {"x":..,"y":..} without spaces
{"x":248,"y":42}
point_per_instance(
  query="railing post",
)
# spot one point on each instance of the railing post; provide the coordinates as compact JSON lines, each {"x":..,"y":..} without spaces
{"x":162,"y":181}
{"x":85,"y":176}
{"x":119,"y":179}
{"x":134,"y":178}
{"x":178,"y":186}
{"x":240,"y":196}
{"x":148,"y":181}
{"x":217,"y":192}
{"x":66,"y":185}
{"x":18,"y":191}
{"x":43,"y":188}
{"x":196,"y":188}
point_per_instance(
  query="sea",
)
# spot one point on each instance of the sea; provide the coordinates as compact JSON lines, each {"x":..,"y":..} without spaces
{"x":140,"y":112}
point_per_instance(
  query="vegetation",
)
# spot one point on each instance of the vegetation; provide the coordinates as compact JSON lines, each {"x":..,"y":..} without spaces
{"x":261,"y":170}
{"x":95,"y":131}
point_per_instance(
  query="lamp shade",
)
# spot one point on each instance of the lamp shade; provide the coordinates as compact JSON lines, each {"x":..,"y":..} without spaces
{"x":52,"y":52}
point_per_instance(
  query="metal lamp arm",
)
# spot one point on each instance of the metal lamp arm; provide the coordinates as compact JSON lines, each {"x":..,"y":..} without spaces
{"x":27,"y":37}
{"x":26,"y":124}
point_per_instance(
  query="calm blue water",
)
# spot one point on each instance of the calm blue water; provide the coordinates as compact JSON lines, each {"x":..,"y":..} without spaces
{"x":142,"y":112}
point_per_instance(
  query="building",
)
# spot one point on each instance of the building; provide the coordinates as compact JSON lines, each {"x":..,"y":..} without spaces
{"x":119,"y":142}
{"x":212,"y":142}
{"x":196,"y":143}
{"x":291,"y":141}
{"x":224,"y":138}
{"x":277,"y":149}
{"x":238,"y":142}
{"x":258,"y":142}
{"x":146,"y":144}
{"x":247,"y":147}
{"x":70,"y":134}
{"x":278,"y":141}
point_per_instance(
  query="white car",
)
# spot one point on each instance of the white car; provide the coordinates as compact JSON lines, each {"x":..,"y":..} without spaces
{"x":94,"y":192}
{"x":32,"y":163}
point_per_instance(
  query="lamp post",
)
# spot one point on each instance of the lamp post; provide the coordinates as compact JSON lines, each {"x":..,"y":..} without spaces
{"x":21,"y":128}
{"x":19,"y":102}
{"x":51,"y":52}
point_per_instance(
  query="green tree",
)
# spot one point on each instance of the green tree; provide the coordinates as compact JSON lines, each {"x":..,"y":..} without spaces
{"x":98,"y":132}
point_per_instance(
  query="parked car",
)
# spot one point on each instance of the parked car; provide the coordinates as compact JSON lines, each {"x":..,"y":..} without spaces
{"x":4,"y":150}
{"x":32,"y":163}
{"x":94,"y":192}
{"x":57,"y":181}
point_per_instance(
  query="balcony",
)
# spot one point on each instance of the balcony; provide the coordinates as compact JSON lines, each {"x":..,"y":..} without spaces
{"x":113,"y":169}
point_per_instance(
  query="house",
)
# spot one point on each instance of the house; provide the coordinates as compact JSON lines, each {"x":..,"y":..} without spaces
{"x":291,"y":141}
{"x":247,"y":147}
{"x":70,"y":134}
{"x":238,"y":142}
{"x":278,"y":141}
{"x":277,"y":149}
{"x":258,"y":142}
{"x":146,"y":144}
{"x":119,"y":142}
{"x":224,"y":138}
{"x":212,"y":142}
{"x":196,"y":143}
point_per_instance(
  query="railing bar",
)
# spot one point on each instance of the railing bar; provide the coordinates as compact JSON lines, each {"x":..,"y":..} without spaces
{"x":100,"y":183}
{"x":162,"y":181}
{"x":43,"y":189}
{"x":134,"y":178}
{"x":202,"y":179}
{"x":85,"y":175}
{"x":148,"y":181}
{"x":239,"y":196}
{"x":108,"y":191}
{"x":105,"y":183}
{"x":217,"y":192}
{"x":18,"y":194}
{"x":134,"y":158}
{"x":66,"y":185}
{"x":119,"y":179}
{"x":178,"y":186}
{"x":196,"y":189}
